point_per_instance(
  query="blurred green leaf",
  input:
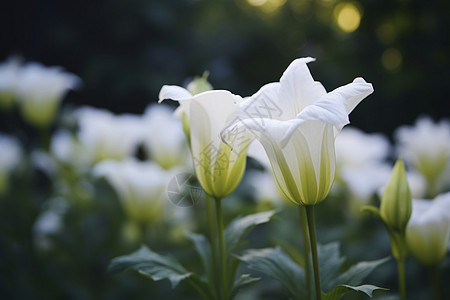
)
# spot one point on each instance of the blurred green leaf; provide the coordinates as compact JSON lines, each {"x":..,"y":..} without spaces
{"x":339,"y":291}
{"x":330,"y":263}
{"x":239,"y":227}
{"x":242,"y":281}
{"x":275,"y":263}
{"x":357,"y":273}
{"x":158,"y":267}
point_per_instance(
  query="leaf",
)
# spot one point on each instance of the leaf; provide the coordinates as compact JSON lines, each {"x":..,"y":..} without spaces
{"x":357,"y":273}
{"x":158,"y":267}
{"x":339,"y":291}
{"x":277,"y":264}
{"x":330,"y":263}
{"x":203,"y":248}
{"x":241,"y":282}
{"x":238,"y":228}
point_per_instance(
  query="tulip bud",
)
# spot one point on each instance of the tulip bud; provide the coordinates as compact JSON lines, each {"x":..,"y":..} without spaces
{"x":395,"y":208}
{"x":199,"y":84}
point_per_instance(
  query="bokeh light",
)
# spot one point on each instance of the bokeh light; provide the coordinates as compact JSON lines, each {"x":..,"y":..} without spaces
{"x":348,"y":16}
{"x":391,"y":59}
{"x":267,"y":6}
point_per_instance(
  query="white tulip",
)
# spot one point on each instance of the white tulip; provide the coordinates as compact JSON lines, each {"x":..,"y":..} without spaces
{"x":428,"y":229}
{"x":9,"y":72}
{"x":218,"y":166}
{"x":297,"y":121}
{"x":426,"y":147}
{"x":104,"y":135}
{"x":163,"y":136}
{"x":139,"y":185}
{"x":40,"y":91}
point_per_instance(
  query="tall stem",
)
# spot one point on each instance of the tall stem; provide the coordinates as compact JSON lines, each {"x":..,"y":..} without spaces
{"x":313,"y":240}
{"x":401,"y":278}
{"x":213,"y":241}
{"x":306,"y":249}
{"x":223,"y":257}
{"x":434,"y":281}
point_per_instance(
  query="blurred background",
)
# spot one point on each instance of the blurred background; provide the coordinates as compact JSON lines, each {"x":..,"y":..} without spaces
{"x":124,"y":51}
{"x":59,"y":232}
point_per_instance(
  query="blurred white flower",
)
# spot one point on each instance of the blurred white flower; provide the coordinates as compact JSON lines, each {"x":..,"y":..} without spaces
{"x":163,"y":136}
{"x":10,"y":156}
{"x":428,"y":229}
{"x":67,"y":149}
{"x":49,"y":222}
{"x":104,"y":135}
{"x":256,"y":151}
{"x":40,"y":90}
{"x":139,"y":185}
{"x":356,"y":148}
{"x":426,"y":147}
{"x":9,"y":71}
{"x":361,"y":163}
{"x":264,"y":186}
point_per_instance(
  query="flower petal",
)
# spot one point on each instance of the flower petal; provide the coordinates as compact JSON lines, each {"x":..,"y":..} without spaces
{"x":298,"y":86}
{"x":173,"y":92}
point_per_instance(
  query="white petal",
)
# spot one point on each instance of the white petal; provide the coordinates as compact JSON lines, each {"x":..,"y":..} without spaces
{"x":298,"y":86}
{"x":174,"y":92}
{"x":354,"y":92}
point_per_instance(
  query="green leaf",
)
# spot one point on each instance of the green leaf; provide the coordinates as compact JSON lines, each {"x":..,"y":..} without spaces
{"x":277,"y":264}
{"x":357,"y":273}
{"x":158,"y":267}
{"x":242,"y":281}
{"x":203,"y":248}
{"x":330,"y":263}
{"x":339,"y":291}
{"x":239,"y":227}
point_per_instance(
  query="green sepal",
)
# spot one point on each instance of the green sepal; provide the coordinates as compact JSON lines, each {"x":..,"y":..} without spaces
{"x":373,"y":210}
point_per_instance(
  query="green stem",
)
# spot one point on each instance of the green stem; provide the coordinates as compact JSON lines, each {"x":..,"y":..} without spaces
{"x":401,"y":278}
{"x":313,"y":240}
{"x":435,"y":282}
{"x":213,"y":241}
{"x":222,"y":249}
{"x":307,"y":249}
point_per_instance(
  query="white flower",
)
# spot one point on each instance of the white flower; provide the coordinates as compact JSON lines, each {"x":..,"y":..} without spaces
{"x":296,"y":121}
{"x":264,"y":186}
{"x":163,"y":136}
{"x":426,"y":148}
{"x":428,"y":229}
{"x":139,"y":185}
{"x":40,"y":90}
{"x":104,"y":135}
{"x":9,"y":71}
{"x":218,"y":166}
{"x":10,"y":155}
{"x":361,"y":162}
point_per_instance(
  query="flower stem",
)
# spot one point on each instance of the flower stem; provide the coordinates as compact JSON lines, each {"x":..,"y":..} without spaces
{"x":306,"y":249}
{"x":401,"y":278}
{"x":312,"y":236}
{"x":223,"y":258}
{"x":434,"y":281}
{"x":213,"y":241}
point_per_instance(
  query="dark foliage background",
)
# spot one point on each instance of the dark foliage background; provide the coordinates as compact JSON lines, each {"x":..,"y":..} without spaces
{"x":126,"y":50}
